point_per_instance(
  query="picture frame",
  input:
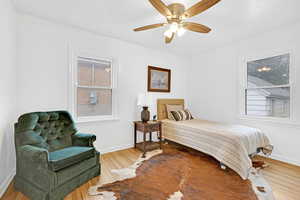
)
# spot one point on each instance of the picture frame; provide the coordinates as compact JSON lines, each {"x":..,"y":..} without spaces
{"x":159,"y":79}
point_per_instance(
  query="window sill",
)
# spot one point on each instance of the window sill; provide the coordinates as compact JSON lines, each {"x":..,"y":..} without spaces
{"x":97,"y":119}
{"x":283,"y":121}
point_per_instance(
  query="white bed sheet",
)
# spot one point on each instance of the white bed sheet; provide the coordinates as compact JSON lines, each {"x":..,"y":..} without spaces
{"x":229,"y":144}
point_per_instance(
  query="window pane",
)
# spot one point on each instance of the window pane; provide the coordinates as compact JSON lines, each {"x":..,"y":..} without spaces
{"x":272,"y":102}
{"x":85,"y":73}
{"x":103,"y":74}
{"x":94,"y":102}
{"x":269,"y":72}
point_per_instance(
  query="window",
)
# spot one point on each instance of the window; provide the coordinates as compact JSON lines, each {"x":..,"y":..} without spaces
{"x":267,"y":91}
{"x":93,"y":84}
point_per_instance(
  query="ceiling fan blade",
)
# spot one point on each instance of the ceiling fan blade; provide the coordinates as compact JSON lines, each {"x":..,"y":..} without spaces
{"x":196,"y":27}
{"x":161,"y":7}
{"x":143,"y":28}
{"x":200,"y":7}
{"x":169,"y":39}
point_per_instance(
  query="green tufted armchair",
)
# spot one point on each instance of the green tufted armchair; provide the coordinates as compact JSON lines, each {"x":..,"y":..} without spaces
{"x":52,"y":158}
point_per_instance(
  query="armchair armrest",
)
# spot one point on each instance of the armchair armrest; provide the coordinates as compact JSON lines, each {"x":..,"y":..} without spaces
{"x":83,"y":139}
{"x":37,"y":156}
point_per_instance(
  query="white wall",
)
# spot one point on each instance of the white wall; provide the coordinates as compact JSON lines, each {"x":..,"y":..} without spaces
{"x":214,"y":86}
{"x":43,"y":64}
{"x":7,"y":92}
{"x":211,"y":83}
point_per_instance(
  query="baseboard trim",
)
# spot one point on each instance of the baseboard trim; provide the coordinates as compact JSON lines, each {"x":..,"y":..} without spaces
{"x":116,"y":148}
{"x":284,"y":159}
{"x":8,"y":180}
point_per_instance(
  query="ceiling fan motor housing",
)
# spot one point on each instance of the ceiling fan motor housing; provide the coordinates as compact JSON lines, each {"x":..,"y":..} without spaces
{"x":177,"y":10}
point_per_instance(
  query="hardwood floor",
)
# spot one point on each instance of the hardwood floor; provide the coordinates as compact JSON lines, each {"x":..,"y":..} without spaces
{"x":284,"y":178}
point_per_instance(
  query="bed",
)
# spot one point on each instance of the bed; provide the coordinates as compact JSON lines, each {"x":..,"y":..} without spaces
{"x":229,"y":144}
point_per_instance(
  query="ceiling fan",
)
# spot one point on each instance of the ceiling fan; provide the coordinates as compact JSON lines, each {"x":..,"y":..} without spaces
{"x":176,"y":15}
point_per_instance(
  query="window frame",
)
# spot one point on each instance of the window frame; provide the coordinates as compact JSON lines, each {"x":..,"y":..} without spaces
{"x":243,"y":86}
{"x":75,"y":56}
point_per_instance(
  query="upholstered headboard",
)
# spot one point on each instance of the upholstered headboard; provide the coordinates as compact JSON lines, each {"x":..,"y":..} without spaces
{"x":161,"y":106}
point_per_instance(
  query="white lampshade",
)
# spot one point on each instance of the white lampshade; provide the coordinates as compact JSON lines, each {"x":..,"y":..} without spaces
{"x":144,"y":99}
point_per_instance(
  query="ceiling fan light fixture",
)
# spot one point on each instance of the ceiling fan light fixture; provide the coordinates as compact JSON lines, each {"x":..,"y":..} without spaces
{"x":174,"y":27}
{"x":181,"y":31}
{"x":168,"y":33}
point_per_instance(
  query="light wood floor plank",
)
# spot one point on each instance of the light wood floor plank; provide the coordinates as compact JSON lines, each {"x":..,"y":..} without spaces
{"x":284,"y":178}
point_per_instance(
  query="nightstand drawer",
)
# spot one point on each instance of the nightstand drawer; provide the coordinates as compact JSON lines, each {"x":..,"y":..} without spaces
{"x":148,"y":127}
{"x":152,"y":127}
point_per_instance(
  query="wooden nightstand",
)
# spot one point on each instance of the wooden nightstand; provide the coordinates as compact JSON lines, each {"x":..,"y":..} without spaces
{"x":149,"y":127}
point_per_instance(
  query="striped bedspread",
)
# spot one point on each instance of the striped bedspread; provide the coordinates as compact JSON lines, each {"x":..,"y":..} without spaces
{"x":229,"y":144}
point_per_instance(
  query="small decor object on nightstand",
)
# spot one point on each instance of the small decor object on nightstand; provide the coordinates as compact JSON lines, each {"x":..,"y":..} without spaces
{"x":144,"y":100}
{"x":149,"y":127}
{"x":154,"y":117}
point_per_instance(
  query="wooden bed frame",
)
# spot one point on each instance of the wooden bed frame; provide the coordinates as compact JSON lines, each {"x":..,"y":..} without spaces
{"x":161,"y":106}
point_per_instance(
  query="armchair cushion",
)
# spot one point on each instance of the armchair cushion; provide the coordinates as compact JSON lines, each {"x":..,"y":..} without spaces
{"x":69,"y":156}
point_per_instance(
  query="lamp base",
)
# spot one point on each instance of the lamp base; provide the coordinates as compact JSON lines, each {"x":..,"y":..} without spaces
{"x":145,"y":114}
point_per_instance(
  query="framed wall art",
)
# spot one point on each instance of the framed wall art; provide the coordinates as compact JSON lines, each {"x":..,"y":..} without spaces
{"x":159,"y":79}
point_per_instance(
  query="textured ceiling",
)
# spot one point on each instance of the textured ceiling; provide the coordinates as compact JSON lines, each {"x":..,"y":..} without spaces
{"x":230,"y":20}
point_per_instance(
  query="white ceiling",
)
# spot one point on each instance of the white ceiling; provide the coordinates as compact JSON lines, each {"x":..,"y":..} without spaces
{"x":230,"y":19}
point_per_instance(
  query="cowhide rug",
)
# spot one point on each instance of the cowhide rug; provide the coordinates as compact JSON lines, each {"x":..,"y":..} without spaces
{"x":180,"y":173}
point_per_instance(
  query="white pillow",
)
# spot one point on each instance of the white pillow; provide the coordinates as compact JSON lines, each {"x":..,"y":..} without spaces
{"x":173,"y":107}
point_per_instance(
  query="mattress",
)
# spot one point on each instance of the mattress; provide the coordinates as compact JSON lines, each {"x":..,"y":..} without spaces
{"x":229,"y":144}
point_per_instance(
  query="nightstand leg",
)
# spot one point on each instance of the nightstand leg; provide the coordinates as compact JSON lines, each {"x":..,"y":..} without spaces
{"x":135,"y":135}
{"x":160,"y":137}
{"x":144,"y":145}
